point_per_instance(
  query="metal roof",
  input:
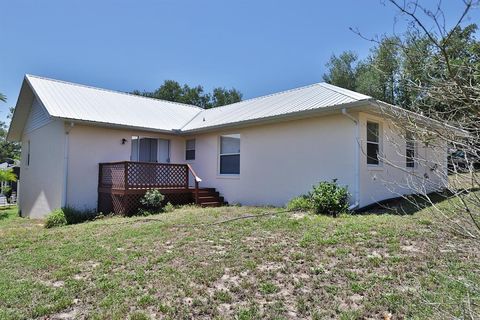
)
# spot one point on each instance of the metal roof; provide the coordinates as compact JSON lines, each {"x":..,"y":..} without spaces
{"x":71,"y":101}
{"x":309,"y":98}
{"x":79,"y":102}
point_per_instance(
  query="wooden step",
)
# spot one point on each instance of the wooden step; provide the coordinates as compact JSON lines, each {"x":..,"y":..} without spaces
{"x":202,"y":199}
{"x":211,"y":204}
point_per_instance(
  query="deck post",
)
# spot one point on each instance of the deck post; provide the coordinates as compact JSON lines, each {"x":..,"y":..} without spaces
{"x":125,"y":170}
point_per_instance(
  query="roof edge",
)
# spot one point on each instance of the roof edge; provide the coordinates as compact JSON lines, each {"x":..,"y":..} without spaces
{"x":110,"y":90}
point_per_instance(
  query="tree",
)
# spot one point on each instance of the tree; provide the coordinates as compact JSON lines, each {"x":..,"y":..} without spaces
{"x":222,"y":96}
{"x":438,"y":75}
{"x":8,"y":150}
{"x":341,"y":70}
{"x":171,"y":90}
{"x":3,"y":98}
{"x":7,"y":175}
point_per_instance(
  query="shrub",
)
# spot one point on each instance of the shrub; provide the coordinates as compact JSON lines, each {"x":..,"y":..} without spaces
{"x":328,"y":198}
{"x":168,"y":207}
{"x":55,"y":218}
{"x":151,"y":203}
{"x":75,"y":216}
{"x":301,"y":203}
{"x":68,"y":215}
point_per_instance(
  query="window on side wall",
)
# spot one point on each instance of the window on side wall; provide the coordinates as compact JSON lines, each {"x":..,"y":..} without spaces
{"x":373,"y":143}
{"x":190,"y":149}
{"x":409,"y":149}
{"x":230,"y":154}
{"x":28,"y":153}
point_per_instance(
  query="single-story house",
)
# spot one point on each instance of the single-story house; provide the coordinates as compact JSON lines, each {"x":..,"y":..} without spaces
{"x":89,"y":148}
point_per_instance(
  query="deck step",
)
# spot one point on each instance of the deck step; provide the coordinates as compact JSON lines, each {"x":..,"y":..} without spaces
{"x":209,"y":197}
{"x":211,"y":204}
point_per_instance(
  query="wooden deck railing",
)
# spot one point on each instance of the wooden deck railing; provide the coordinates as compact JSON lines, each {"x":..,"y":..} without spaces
{"x":130,"y":175}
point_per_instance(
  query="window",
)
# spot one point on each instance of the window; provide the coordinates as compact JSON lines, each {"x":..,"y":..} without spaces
{"x":28,"y":153}
{"x":410,"y":149}
{"x":190,"y":149}
{"x":230,"y":154}
{"x":373,"y":143}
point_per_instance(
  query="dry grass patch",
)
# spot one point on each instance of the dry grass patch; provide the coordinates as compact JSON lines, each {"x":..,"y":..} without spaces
{"x":282,"y":266}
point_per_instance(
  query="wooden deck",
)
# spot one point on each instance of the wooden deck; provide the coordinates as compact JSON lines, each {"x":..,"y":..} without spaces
{"x":121,"y":185}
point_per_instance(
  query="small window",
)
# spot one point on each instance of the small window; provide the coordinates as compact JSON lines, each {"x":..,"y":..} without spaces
{"x":28,"y":153}
{"x":230,"y":154}
{"x":190,"y":149}
{"x":410,"y":149}
{"x":373,"y":143}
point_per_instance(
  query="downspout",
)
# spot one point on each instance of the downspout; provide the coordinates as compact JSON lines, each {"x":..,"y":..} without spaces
{"x":66,"y":151}
{"x":357,"y":160}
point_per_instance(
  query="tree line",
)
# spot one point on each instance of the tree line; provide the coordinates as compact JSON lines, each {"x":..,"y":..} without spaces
{"x":171,"y":90}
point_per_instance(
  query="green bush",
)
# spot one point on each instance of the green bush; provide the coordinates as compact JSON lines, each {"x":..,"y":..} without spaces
{"x":75,"y":216}
{"x":68,"y":215}
{"x":329,"y":198}
{"x":151,"y":203}
{"x":55,"y":218}
{"x":301,"y":203}
{"x":168,"y":207}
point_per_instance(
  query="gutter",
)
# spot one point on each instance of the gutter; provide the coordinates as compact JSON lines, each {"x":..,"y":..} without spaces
{"x":66,"y":151}
{"x":357,"y":159}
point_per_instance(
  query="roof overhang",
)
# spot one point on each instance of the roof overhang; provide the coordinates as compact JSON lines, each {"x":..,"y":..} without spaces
{"x":304,"y":114}
{"x":20,"y":114}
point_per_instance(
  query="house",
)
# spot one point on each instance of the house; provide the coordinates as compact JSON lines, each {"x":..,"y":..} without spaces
{"x":87,"y":147}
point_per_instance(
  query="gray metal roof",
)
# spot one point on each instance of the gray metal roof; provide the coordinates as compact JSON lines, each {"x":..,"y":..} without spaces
{"x":77,"y":102}
{"x":312,"y":97}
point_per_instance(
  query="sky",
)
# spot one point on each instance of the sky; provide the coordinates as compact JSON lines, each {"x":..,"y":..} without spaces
{"x":256,"y":46}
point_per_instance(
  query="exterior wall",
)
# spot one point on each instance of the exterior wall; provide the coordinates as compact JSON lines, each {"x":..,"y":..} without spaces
{"x":282,"y":160}
{"x":89,"y":146}
{"x":392,"y":178}
{"x":41,"y":182}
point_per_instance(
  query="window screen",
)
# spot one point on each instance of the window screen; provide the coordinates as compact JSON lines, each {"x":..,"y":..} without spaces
{"x":373,"y":143}
{"x":190,"y":149}
{"x":230,"y":154}
{"x":410,"y":150}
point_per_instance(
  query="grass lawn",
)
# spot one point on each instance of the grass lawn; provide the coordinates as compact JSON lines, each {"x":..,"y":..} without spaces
{"x":282,"y":266}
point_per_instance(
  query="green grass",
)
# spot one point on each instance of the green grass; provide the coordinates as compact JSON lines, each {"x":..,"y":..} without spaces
{"x":281,"y":266}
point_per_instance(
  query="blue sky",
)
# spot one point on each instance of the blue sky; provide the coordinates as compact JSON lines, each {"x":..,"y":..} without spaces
{"x":258,"y":47}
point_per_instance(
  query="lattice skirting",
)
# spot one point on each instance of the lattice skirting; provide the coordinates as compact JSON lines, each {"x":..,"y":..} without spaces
{"x":128,"y":204}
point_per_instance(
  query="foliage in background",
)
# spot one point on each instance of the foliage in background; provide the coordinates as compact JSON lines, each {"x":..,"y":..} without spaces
{"x":433,"y":69}
{"x":171,"y":90}
{"x":8,"y":150}
{"x":7,"y":175}
{"x":151,"y":203}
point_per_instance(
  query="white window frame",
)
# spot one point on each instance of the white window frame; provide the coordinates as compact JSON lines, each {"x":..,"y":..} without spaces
{"x":379,"y":143}
{"x":194,"y":149}
{"x":220,"y":154}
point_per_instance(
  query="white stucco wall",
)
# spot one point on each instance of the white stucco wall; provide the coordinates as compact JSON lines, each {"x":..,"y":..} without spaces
{"x":41,"y":182}
{"x":89,"y":146}
{"x":280,"y":161}
{"x":392,"y":178}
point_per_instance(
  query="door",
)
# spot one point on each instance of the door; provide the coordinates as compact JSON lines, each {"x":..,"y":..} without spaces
{"x":163,"y":151}
{"x":144,"y":149}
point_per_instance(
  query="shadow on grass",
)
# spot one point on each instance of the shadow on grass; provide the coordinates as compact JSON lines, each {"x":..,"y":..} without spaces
{"x":408,"y":205}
